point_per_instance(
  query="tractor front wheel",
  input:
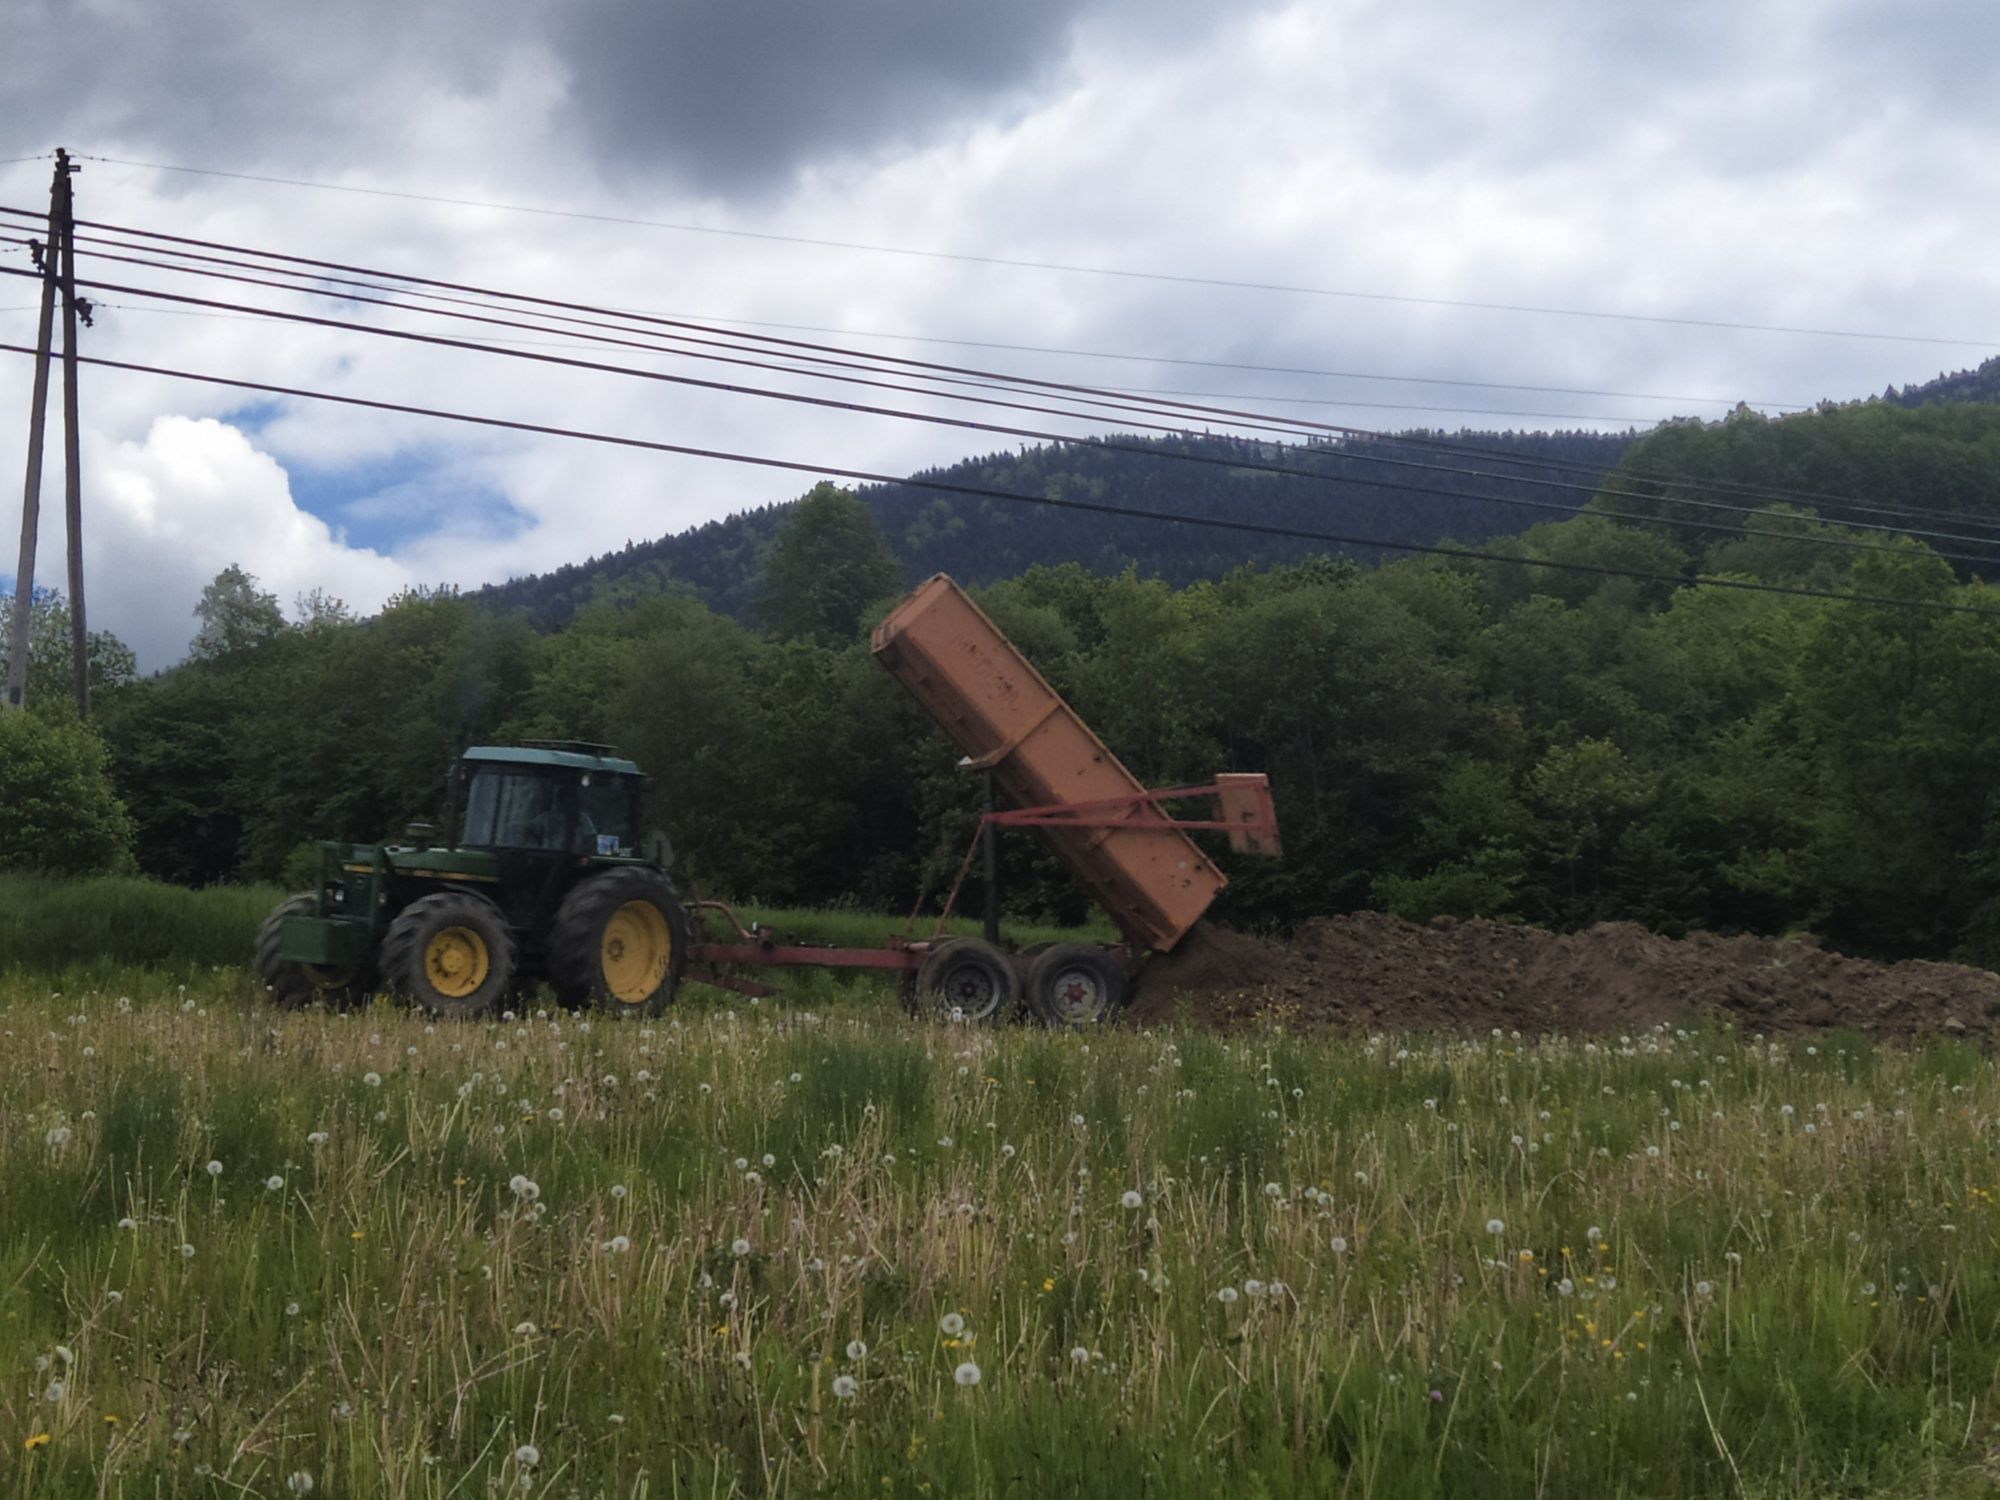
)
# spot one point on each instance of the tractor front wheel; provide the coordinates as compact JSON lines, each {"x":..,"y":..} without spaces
{"x":450,"y":955}
{"x":291,"y":984}
{"x":619,"y":942}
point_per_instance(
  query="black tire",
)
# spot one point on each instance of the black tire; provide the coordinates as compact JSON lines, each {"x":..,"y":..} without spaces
{"x":965,"y":979}
{"x":1077,"y":984}
{"x":293,"y":985}
{"x":450,"y":954}
{"x":620,"y":942}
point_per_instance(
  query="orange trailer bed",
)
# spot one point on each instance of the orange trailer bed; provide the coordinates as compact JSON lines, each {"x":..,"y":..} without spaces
{"x":1145,"y":871}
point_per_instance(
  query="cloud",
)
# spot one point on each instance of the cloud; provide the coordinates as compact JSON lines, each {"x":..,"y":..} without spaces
{"x":170,"y":511}
{"x":733,"y":96}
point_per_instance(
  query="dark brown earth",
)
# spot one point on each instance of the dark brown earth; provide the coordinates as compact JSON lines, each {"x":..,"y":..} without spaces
{"x":1371,"y":972}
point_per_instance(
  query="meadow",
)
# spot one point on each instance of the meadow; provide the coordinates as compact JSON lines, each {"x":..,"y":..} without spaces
{"x":810,"y":1245}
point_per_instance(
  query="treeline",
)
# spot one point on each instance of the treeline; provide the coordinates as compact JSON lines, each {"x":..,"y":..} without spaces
{"x":1444,"y":737}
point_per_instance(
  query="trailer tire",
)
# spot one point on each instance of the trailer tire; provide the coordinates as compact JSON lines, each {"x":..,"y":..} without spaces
{"x":291,"y":984}
{"x":619,"y":941}
{"x":1077,"y":984}
{"x":965,"y":979}
{"x":450,"y":954}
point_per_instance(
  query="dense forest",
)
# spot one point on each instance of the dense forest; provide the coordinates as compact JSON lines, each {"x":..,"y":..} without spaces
{"x":1420,"y":487}
{"x":1570,"y":735}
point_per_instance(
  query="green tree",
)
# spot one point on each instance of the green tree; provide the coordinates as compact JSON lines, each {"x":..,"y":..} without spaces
{"x":108,"y":661}
{"x":58,"y":812}
{"x":827,"y":565}
{"x":235,"y":616}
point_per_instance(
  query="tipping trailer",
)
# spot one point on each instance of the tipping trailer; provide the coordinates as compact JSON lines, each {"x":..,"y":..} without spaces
{"x":1115,"y":836}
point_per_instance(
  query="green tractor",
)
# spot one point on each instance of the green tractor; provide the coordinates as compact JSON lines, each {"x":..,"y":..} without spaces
{"x":550,"y":877}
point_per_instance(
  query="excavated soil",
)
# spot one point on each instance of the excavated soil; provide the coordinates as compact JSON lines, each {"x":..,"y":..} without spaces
{"x":1370,"y":972}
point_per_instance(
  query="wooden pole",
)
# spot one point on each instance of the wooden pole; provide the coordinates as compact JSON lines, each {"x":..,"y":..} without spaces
{"x":79,"y":633}
{"x":31,"y":489}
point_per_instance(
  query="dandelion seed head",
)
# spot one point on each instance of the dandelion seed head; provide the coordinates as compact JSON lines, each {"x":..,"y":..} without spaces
{"x":1496,"y":1226}
{"x":527,"y":1455}
{"x":739,"y":1247}
{"x":966,"y":1374}
{"x":1338,"y":1245}
{"x":1079,"y":1355}
{"x":1130,"y":1198}
{"x":844,"y":1387}
{"x":373,"y":1080}
{"x":300,"y":1483}
{"x":274,"y":1183}
{"x":1226,"y":1295}
{"x":856,"y":1350}
{"x":951,"y":1325}
{"x":214,"y":1169}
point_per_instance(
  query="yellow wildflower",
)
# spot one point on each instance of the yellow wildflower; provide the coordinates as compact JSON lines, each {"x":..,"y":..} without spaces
{"x":37,"y":1440}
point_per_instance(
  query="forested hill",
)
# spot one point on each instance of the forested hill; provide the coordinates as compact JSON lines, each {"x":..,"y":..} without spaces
{"x":1423,"y":494}
{"x":1982,"y":385}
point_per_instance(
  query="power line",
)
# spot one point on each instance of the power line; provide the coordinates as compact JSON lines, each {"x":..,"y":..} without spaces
{"x":1000,"y":429}
{"x":1232,"y":415}
{"x":1103,"y":354}
{"x":1465,"y":554}
{"x":1008,"y":262}
{"x":733,"y":388}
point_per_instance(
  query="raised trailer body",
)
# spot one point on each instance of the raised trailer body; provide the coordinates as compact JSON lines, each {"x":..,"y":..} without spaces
{"x":1108,"y":828}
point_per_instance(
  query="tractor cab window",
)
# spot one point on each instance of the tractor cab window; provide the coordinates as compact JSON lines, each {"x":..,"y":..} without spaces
{"x":610,"y":815}
{"x":517,"y":810}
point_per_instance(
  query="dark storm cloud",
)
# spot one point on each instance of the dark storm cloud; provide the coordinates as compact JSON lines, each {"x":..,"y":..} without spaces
{"x":236,"y":80}
{"x":735,"y":94}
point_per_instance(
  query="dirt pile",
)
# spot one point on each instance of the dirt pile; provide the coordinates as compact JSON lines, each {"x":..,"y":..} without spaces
{"x":1378,"y":973}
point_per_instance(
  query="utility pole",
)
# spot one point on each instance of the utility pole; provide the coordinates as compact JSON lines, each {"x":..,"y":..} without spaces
{"x":72,"y":460}
{"x":38,"y":405}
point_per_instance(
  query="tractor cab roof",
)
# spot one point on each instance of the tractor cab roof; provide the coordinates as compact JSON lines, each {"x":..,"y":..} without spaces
{"x":574,"y":755}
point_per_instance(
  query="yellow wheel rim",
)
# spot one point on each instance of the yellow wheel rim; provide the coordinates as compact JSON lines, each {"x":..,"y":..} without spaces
{"x":637,"y":951}
{"x":456,"y":962}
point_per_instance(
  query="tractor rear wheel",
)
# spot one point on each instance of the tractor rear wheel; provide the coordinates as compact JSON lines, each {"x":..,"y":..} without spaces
{"x":291,"y":984}
{"x":620,"y":941}
{"x":450,"y":955}
{"x":1076,"y":984}
{"x":966,"y":979}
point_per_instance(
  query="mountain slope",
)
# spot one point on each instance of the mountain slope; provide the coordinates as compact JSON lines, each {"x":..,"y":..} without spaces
{"x":1378,"y":489}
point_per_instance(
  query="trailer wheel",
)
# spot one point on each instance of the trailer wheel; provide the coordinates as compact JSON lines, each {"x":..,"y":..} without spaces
{"x":966,"y":979}
{"x":291,"y":984}
{"x":450,"y":954}
{"x":1076,"y":984}
{"x":619,"y":941}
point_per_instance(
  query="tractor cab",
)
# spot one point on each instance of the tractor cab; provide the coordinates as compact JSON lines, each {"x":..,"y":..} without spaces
{"x":561,"y":797}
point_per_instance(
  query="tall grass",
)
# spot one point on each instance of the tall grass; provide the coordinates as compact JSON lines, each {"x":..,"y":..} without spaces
{"x":89,"y":928}
{"x":749,"y":1248}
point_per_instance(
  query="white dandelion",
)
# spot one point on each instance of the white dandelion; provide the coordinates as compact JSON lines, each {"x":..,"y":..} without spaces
{"x":1226,"y":1296}
{"x":739,"y":1247}
{"x":966,"y":1374}
{"x":844,"y":1387}
{"x":1496,"y":1226}
{"x":856,"y":1350}
{"x":214,"y":1169}
{"x":1130,"y":1198}
{"x":951,"y":1325}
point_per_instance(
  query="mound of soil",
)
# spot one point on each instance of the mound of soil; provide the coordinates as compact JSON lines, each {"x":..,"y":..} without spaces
{"x":1379,"y":973}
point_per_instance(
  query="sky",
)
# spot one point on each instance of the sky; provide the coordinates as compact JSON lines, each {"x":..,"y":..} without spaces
{"x":1359,"y":169}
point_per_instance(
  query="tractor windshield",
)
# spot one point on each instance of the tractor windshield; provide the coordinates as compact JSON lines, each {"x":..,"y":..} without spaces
{"x":517,"y":810}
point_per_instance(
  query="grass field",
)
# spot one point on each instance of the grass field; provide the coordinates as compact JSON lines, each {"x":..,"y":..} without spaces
{"x":811,"y":1246}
